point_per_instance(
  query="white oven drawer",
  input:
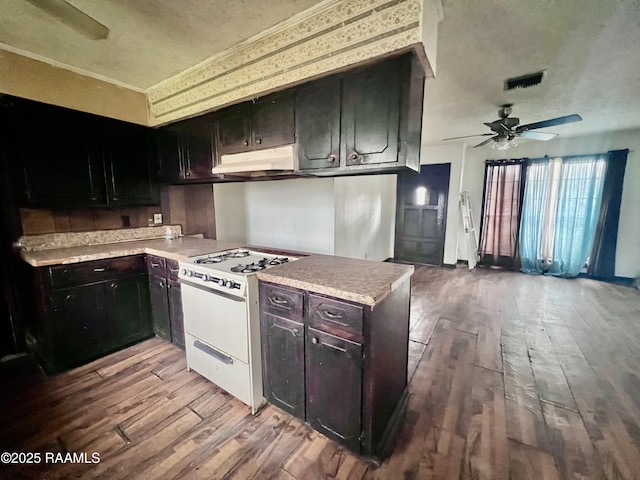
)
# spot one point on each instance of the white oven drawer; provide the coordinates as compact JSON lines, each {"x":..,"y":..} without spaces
{"x":218,"y":319}
{"x":227,"y":372}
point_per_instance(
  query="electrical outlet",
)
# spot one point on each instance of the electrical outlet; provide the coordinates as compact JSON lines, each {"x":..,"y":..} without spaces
{"x":157,"y":218}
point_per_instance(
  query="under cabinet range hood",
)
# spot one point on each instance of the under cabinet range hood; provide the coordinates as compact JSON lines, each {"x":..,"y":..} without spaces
{"x":267,"y":162}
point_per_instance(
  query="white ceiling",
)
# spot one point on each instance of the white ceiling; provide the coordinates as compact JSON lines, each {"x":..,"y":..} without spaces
{"x":589,"y":48}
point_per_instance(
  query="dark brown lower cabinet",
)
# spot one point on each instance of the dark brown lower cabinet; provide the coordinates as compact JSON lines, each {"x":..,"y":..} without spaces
{"x":334,"y":385}
{"x":88,"y":309}
{"x":175,"y":312}
{"x":338,"y":365}
{"x":284,"y":353}
{"x":166,"y":299}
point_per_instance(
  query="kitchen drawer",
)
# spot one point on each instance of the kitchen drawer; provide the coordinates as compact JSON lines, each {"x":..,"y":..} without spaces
{"x":281,"y":301}
{"x":225,"y":371}
{"x":334,"y":313}
{"x":172,"y":269}
{"x":156,"y":266}
{"x":95,"y":271}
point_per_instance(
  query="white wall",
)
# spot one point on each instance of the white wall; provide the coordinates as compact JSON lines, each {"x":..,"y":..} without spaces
{"x":295,"y":214}
{"x":365,"y":215}
{"x":455,"y":155}
{"x":628,"y":246}
{"x":230,"y":206}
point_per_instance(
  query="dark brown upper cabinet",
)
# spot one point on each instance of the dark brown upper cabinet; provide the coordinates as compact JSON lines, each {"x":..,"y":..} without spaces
{"x":264,"y":123}
{"x":186,"y":151}
{"x":74,"y":159}
{"x":61,"y":159}
{"x":318,"y":124}
{"x":378,"y":124}
{"x":130,"y":166}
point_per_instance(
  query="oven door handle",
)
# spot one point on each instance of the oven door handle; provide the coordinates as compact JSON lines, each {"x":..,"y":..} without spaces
{"x":213,"y":352}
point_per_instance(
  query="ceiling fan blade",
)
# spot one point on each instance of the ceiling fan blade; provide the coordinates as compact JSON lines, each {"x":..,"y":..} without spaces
{"x":488,"y":140}
{"x":552,"y":122}
{"x":538,"y":135}
{"x":468,"y":136}
{"x":73,"y":17}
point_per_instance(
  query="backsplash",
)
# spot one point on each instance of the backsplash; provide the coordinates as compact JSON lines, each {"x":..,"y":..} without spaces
{"x":36,"y":221}
{"x":98,"y":237}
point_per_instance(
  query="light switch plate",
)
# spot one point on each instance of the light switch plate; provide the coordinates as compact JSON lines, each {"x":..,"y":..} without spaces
{"x":157,"y":218}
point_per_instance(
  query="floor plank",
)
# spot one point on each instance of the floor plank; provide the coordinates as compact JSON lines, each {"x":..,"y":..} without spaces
{"x":511,"y":376}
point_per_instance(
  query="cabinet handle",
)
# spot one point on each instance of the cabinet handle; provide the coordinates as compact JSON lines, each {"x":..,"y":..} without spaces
{"x":161,"y":284}
{"x":279,"y":301}
{"x":174,"y":270}
{"x":333,"y":316}
{"x":246,"y":143}
{"x":102,"y":269}
{"x":155,"y":265}
{"x":332,"y":158}
{"x":259,"y":141}
{"x":114,"y":285}
{"x":315,"y":340}
{"x":354,"y":155}
{"x":293,"y":331}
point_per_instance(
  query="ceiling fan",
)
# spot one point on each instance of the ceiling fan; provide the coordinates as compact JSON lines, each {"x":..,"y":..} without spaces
{"x":73,"y":17}
{"x":506,"y":130}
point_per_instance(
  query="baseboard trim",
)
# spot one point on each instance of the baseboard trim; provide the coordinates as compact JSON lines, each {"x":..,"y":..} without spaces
{"x":451,"y":265}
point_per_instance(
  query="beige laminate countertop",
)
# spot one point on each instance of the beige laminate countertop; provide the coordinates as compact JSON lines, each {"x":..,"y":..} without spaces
{"x":362,"y":281}
{"x":176,"y":249}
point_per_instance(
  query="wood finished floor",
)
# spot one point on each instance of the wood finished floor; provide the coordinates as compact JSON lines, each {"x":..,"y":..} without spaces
{"x":512,"y":376}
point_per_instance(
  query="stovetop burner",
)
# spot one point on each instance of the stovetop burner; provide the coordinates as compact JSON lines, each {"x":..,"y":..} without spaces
{"x":249,"y":268}
{"x":239,"y":261}
{"x":222,"y":257}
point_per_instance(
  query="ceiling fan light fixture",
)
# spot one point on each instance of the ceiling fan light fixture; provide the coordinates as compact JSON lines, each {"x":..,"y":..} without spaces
{"x":504,"y":143}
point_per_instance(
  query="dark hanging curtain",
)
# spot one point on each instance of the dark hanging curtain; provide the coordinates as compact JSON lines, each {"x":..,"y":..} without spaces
{"x":602,"y":261}
{"x":501,"y":210}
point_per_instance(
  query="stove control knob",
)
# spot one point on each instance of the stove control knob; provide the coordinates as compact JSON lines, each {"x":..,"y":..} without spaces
{"x":187,"y":273}
{"x":229,"y":284}
{"x":221,"y":282}
{"x":206,"y":278}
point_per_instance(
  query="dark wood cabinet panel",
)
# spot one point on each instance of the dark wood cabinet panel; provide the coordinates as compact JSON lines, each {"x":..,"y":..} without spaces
{"x":160,"y":307}
{"x":371,"y":114}
{"x":76,"y":334}
{"x":281,"y":301}
{"x":272,"y":121}
{"x":175,"y":313}
{"x":234,"y":129}
{"x":283,"y":357}
{"x":334,"y":387}
{"x":317,"y":111}
{"x":170,"y":161}
{"x":130,"y":165}
{"x":199,"y":149}
{"x":129,"y":307}
{"x":76,"y":322}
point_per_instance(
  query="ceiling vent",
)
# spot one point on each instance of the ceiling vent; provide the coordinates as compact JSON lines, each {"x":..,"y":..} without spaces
{"x":524,"y":81}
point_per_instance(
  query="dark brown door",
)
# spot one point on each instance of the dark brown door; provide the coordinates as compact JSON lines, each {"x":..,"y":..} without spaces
{"x":170,"y":159}
{"x":272,"y":121}
{"x":175,"y":312}
{"x":283,"y":357}
{"x":129,"y":307}
{"x":334,"y":387}
{"x":421,"y":214}
{"x":160,"y":307}
{"x":198,"y":150}
{"x":234,"y":129}
{"x":318,"y":124}
{"x":371,"y":115}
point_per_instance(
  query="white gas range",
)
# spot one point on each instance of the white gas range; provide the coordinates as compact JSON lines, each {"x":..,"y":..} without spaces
{"x":221,"y":319}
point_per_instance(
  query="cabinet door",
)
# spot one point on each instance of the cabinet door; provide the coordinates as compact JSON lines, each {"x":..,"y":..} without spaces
{"x":283,"y":363}
{"x":318,"y":124}
{"x":80,"y":326}
{"x":272,"y":121}
{"x":61,"y":161}
{"x":199,"y":150}
{"x":131,"y":168}
{"x":234,"y":129}
{"x":371,"y":114}
{"x":175,"y":312}
{"x":160,"y":307}
{"x":334,"y":386}
{"x":129,"y":308}
{"x":170,"y":161}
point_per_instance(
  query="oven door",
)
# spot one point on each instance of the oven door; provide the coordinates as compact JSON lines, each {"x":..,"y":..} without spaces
{"x":217,"y":318}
